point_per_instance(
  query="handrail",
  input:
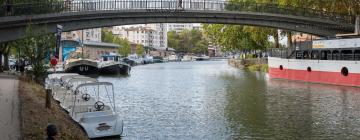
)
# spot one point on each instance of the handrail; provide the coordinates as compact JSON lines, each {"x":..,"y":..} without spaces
{"x":21,"y":9}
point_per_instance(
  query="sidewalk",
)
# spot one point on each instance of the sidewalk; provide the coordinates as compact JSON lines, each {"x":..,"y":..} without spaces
{"x":9,"y":108}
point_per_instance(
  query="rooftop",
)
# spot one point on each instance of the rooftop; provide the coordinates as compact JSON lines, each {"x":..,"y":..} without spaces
{"x":102,"y":44}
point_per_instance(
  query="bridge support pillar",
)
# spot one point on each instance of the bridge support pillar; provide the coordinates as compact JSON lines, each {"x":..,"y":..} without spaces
{"x":357,"y":25}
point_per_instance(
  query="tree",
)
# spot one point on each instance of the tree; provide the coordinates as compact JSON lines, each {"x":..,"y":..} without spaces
{"x":188,"y":41}
{"x":125,"y":47}
{"x":35,"y":48}
{"x":140,"y":49}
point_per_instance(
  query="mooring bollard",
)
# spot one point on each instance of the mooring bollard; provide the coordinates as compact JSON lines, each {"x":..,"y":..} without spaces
{"x":48,"y":99}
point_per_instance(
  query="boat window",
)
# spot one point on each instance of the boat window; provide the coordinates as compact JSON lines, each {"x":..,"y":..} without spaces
{"x":314,"y":54}
{"x":116,"y":58}
{"x":105,"y":58}
{"x":299,"y":54}
{"x":306,"y":55}
{"x":347,"y":55}
{"x":325,"y":55}
{"x":357,"y":55}
{"x":111,"y":58}
{"x":344,"y":71}
{"x":335,"y":55}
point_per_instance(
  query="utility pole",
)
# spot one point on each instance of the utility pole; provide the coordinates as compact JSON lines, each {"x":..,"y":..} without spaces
{"x":357,"y":25}
{"x":82,"y":43}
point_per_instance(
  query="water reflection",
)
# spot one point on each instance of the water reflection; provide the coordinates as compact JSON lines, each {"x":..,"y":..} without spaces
{"x":210,"y":100}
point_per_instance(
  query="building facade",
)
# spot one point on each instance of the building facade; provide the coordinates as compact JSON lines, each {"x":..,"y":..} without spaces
{"x":149,"y":35}
{"x":80,"y":35}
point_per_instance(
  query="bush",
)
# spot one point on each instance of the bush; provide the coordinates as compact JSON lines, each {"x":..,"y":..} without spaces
{"x":258,"y":67}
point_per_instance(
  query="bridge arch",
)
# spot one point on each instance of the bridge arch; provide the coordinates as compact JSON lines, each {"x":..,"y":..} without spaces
{"x":102,"y":14}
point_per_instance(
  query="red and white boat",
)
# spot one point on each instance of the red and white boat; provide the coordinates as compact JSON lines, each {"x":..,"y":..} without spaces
{"x":334,"y":61}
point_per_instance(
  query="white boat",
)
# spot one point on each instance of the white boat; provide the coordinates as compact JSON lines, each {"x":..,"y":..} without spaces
{"x":138,"y":60}
{"x":99,"y":119}
{"x":66,"y":98}
{"x":62,"y":88}
{"x":333,"y":61}
{"x":53,"y":81}
{"x":187,"y":58}
{"x":201,"y":58}
{"x":173,"y":58}
{"x":148,"y":59}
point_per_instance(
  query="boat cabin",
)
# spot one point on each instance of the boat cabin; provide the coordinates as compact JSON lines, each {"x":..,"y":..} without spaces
{"x":343,"y":49}
{"x":111,"y":58}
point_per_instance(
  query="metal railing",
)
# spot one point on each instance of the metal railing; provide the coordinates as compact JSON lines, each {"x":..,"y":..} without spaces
{"x":164,"y":6}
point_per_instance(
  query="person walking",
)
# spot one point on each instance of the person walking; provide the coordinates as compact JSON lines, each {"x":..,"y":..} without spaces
{"x":180,"y":4}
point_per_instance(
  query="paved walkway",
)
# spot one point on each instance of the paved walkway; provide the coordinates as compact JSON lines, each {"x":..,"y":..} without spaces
{"x":9,"y":108}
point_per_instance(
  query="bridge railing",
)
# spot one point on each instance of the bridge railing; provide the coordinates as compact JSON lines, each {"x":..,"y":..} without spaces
{"x":164,"y":6}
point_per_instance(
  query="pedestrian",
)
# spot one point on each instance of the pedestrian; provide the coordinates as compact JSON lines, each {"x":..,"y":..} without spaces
{"x":51,"y":131}
{"x":180,"y":4}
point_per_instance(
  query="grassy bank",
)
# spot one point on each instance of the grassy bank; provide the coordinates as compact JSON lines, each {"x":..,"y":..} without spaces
{"x":258,"y":67}
{"x":250,"y":64}
{"x":35,"y":117}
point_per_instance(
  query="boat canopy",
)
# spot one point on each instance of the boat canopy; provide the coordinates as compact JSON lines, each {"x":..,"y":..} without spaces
{"x":100,"y":91}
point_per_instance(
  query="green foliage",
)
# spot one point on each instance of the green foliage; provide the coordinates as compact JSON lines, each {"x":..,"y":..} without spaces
{"x":237,"y":37}
{"x":188,"y":41}
{"x":140,"y":49}
{"x":35,"y":48}
{"x":258,"y":67}
{"x":125,"y":47}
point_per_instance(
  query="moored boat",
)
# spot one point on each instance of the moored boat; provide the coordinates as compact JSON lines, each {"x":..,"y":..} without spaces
{"x":82,"y":66}
{"x":112,"y":64}
{"x":100,"y":118}
{"x":201,"y":58}
{"x":324,"y":61}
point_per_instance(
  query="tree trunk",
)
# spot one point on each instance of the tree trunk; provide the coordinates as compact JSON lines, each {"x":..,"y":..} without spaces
{"x":1,"y":64}
{"x":276,"y":38}
{"x":289,"y":39}
{"x":1,"y":58}
{"x":6,"y":61}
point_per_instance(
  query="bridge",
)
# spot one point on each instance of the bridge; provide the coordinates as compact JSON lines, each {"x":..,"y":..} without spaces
{"x":76,"y":15}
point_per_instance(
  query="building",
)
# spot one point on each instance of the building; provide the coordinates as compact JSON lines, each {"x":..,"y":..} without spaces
{"x":86,"y":35}
{"x":88,"y":41}
{"x":137,"y":34}
{"x":94,"y":50}
{"x":149,"y":35}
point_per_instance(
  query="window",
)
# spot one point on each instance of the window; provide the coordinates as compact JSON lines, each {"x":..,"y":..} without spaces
{"x":357,"y":55}
{"x":335,"y":55}
{"x":347,"y":55}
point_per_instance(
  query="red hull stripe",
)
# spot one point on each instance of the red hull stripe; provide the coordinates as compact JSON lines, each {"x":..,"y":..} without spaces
{"x":316,"y":76}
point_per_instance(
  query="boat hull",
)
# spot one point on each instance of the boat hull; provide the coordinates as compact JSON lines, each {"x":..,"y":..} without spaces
{"x":345,"y":73}
{"x":115,"y":69}
{"x":82,"y":67}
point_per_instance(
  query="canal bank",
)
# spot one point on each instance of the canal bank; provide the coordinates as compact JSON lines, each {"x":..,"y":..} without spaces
{"x":35,"y":117}
{"x":254,"y":64}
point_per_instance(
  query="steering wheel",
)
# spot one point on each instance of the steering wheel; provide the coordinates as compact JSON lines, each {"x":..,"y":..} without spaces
{"x":68,"y":87}
{"x":85,"y":97}
{"x":99,"y":106}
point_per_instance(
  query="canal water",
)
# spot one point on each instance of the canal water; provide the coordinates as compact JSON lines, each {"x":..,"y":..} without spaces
{"x":211,"y":100}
